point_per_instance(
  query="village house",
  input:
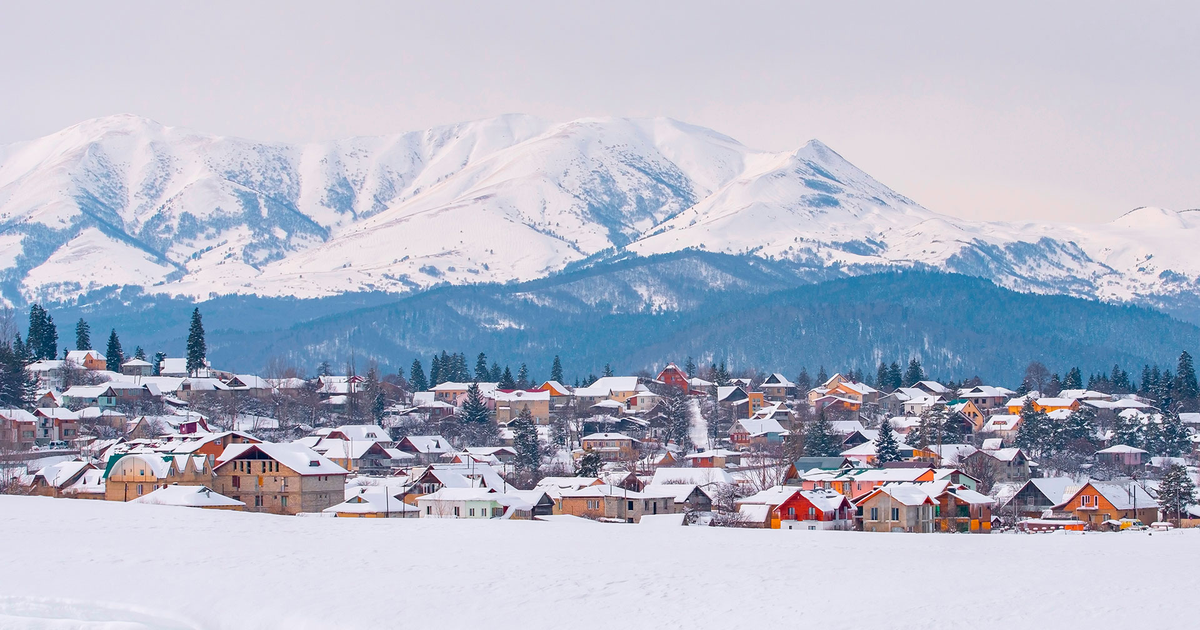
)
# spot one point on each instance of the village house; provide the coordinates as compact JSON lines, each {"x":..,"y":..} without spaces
{"x":614,"y":504}
{"x":793,"y":508}
{"x":1095,"y":503}
{"x":778,"y":388}
{"x":960,"y":509}
{"x":56,"y":424}
{"x":1038,"y":495}
{"x":987,"y":398}
{"x":427,"y":449}
{"x":279,"y":478}
{"x":478,"y":503}
{"x":88,"y":360}
{"x":1123,"y":457}
{"x":137,"y":367}
{"x":672,"y":376}
{"x":509,"y":405}
{"x":131,"y":475}
{"x":749,"y":432}
{"x":52,"y":481}
{"x":612,"y":447}
{"x":373,"y":502}
{"x":615,"y":388}
{"x":904,"y":507}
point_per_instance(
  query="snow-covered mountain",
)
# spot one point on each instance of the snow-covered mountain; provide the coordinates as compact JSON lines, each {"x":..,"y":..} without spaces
{"x":123,"y":201}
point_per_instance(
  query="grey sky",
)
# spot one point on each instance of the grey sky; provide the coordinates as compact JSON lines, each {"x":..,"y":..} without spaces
{"x":1066,"y":111}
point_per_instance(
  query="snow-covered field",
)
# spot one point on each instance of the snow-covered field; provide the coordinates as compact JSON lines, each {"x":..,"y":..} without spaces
{"x":82,"y":564}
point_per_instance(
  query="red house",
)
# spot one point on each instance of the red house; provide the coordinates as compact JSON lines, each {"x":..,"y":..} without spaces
{"x":674,"y":377}
{"x":816,"y":509}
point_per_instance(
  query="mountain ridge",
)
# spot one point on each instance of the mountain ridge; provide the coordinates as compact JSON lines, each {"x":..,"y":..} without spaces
{"x":125,"y":201}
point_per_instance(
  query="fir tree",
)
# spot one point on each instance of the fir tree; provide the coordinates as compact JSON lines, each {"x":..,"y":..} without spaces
{"x":525,"y":442}
{"x":721,"y":375}
{"x":523,"y":377}
{"x":159,"y":357}
{"x":416,"y":377}
{"x":18,"y":386}
{"x":139,"y":354}
{"x":881,"y":377}
{"x":1147,"y":381}
{"x":506,"y":380}
{"x":1173,"y":438}
{"x":689,"y":366}
{"x":481,"y":368}
{"x":435,"y":372}
{"x":895,"y":376}
{"x":474,"y":410}
{"x":822,"y":376}
{"x":676,"y":411}
{"x":589,"y":464}
{"x":887,"y":449}
{"x":1074,"y":379}
{"x":42,"y":340}
{"x":560,"y":431}
{"x":1079,"y":428}
{"x":1186,"y":388}
{"x":914,"y":374}
{"x":556,"y":371}
{"x":1128,"y":430}
{"x":1176,"y":492}
{"x":83,"y":335}
{"x":820,"y":440}
{"x":495,"y":373}
{"x":1032,"y":434}
{"x":803,"y":382}
{"x":114,"y":356}
{"x":608,"y":371}
{"x":197,"y":349}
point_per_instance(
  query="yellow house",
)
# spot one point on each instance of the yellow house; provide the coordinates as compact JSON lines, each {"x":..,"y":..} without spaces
{"x":132,"y":475}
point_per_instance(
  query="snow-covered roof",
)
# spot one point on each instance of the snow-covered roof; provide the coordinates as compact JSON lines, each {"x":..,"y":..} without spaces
{"x":1122,"y":448}
{"x":606,"y":385}
{"x":520,"y":395}
{"x":694,"y":476}
{"x":58,"y":474}
{"x":934,"y":386}
{"x":297,"y":457}
{"x":761,"y":426}
{"x":58,"y":413}
{"x":607,"y":436}
{"x":187,"y":496}
{"x":1121,"y":496}
{"x":431,"y":444}
{"x":772,"y":496}
{"x":1001,"y":422}
{"x":1055,"y":402}
{"x":777,"y":380}
{"x":846,"y":426}
{"x":371,"y":500}
{"x":905,"y":493}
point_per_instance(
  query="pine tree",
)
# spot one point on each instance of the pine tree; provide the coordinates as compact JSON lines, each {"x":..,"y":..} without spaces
{"x":1176,"y":492}
{"x":914,"y":374}
{"x":474,"y":410}
{"x":435,"y":372}
{"x":481,"y":368}
{"x":197,"y":349}
{"x":822,"y":376}
{"x":1079,"y":428}
{"x":416,"y":377}
{"x":114,"y":356}
{"x":139,"y":354}
{"x":689,"y":366}
{"x":820,"y":440}
{"x":324,"y":369}
{"x":1074,"y":379}
{"x":525,"y":442}
{"x":18,"y":386}
{"x":881,"y":377}
{"x":556,"y":371}
{"x":1187,"y":390}
{"x":1173,"y":438}
{"x":1147,"y":381}
{"x":887,"y":449}
{"x":676,"y":410}
{"x":895,"y":376}
{"x":1031,"y":436}
{"x":459,"y":361}
{"x":589,"y":464}
{"x":83,"y":335}
{"x":721,"y":376}
{"x":506,"y":380}
{"x":608,"y":371}
{"x":495,"y":373}
{"x":1128,"y":430}
{"x":803,"y":382}
{"x":159,"y":357}
{"x":523,"y":377}
{"x":42,"y":340}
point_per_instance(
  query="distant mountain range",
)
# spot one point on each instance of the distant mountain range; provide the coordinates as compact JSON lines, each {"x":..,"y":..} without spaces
{"x":125,"y":202}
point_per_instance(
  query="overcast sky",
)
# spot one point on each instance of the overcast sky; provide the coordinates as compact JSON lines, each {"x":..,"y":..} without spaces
{"x":1039,"y":111}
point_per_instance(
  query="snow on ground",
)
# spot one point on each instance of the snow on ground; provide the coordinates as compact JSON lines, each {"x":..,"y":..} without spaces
{"x":697,"y":427}
{"x":85,"y":564}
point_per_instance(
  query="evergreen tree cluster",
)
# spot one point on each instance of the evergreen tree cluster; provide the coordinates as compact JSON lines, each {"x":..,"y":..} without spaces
{"x":42,"y":339}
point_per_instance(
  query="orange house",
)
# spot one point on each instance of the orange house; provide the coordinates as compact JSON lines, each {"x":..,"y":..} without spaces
{"x":1054,"y":404}
{"x":1095,"y":502}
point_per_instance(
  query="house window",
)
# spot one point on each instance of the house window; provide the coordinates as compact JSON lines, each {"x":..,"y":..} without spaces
{"x":258,"y":501}
{"x":472,"y":511}
{"x":791,"y":511}
{"x":812,"y":512}
{"x":895,"y":514}
{"x":139,"y":488}
{"x":283,"y":501}
{"x":874,"y":514}
{"x":237,"y":481}
{"x":456,"y":511}
{"x":1085,"y":500}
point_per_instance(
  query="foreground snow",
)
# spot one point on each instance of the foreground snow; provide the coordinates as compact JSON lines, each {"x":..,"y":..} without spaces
{"x":84,"y":564}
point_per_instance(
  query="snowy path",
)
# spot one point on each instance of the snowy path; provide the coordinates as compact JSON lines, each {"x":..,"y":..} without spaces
{"x":697,"y":428}
{"x":92,"y":564}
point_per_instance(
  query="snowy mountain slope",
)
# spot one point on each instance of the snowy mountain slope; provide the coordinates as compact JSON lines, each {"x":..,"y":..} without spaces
{"x":125,"y":201}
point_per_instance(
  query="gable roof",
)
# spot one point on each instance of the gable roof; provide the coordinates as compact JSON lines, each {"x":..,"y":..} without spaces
{"x":297,"y":457}
{"x":188,"y":496}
